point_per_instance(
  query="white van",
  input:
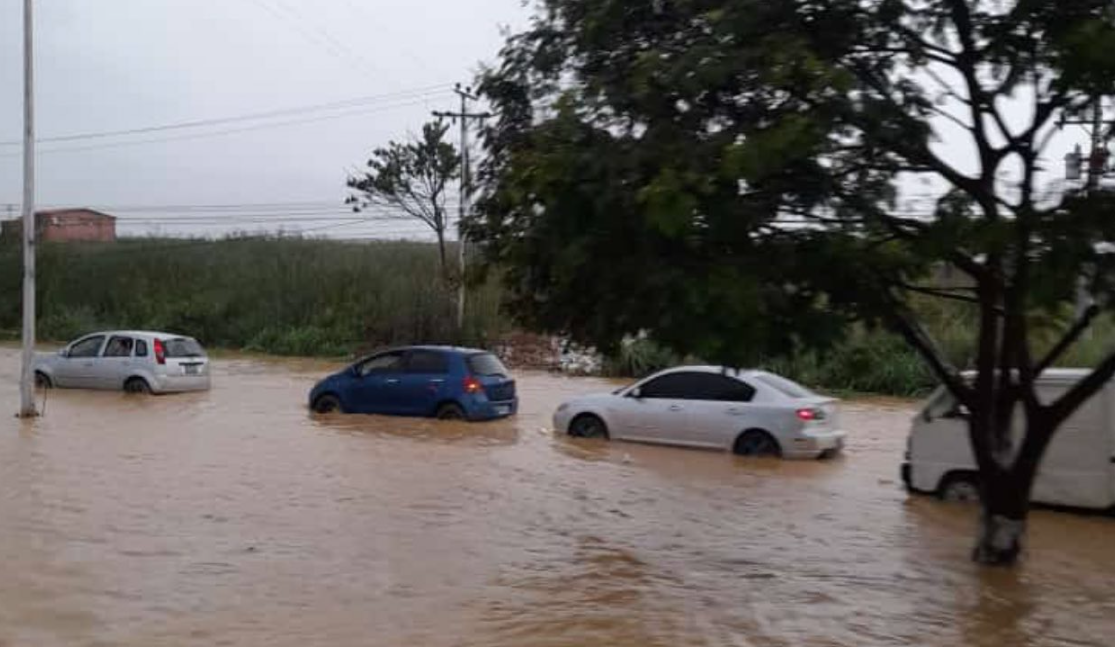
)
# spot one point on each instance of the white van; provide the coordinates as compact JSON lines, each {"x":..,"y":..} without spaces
{"x":1078,"y":469}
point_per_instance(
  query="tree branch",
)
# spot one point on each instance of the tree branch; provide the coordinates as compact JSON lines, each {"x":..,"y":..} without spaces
{"x":1068,"y":339}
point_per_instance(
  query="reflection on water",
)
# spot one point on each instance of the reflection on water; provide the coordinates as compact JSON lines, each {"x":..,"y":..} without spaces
{"x":235,"y":517}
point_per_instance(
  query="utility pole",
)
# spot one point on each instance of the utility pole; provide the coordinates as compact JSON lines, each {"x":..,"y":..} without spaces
{"x":466,"y":190}
{"x":27,"y":378}
{"x":1097,"y":166}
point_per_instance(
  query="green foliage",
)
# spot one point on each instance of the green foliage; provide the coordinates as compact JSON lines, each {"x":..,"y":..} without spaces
{"x":282,"y":295}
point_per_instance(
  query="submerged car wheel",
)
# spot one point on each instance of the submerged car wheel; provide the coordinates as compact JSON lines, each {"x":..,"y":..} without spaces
{"x":587,"y":425}
{"x":757,"y":443}
{"x":328,"y":404}
{"x":959,"y":487}
{"x":137,"y":385}
{"x":42,"y":380}
{"x":450,"y":411}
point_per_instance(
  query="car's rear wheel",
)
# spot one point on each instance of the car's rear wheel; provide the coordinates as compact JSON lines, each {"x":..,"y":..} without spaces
{"x":450,"y":411}
{"x":42,"y":380}
{"x":328,"y":403}
{"x":756,"y":442}
{"x":959,"y":487}
{"x":588,"y":425}
{"x":137,"y":385}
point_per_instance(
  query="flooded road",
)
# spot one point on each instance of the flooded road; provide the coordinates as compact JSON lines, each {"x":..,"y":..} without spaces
{"x":235,"y":518}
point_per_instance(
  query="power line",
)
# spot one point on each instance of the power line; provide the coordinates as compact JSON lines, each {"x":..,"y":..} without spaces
{"x":231,"y":131}
{"x":416,"y":93}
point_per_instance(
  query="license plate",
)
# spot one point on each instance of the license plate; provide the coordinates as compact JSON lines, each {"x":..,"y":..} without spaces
{"x":503,"y":410}
{"x":192,"y":369}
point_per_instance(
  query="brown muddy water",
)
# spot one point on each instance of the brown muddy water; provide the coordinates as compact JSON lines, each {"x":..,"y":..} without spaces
{"x":236,"y":518}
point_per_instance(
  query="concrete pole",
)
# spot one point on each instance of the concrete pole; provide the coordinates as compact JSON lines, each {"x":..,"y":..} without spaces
{"x":462,"y":212}
{"x":27,"y":377}
{"x":1095,"y":173}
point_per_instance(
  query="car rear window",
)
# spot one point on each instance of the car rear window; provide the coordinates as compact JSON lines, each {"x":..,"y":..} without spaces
{"x":183,"y":347}
{"x":785,"y":387}
{"x":486,"y":364}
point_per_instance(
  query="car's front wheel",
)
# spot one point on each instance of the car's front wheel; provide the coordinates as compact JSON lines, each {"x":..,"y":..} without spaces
{"x":328,"y":403}
{"x":959,"y":487}
{"x":588,"y":425}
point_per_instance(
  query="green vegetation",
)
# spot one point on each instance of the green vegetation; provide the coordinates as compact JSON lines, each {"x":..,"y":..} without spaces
{"x":285,"y":296}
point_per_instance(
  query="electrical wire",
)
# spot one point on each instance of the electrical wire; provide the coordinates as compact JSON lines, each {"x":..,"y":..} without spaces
{"x":357,"y":102}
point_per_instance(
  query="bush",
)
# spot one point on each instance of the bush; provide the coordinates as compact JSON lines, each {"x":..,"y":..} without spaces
{"x":278,"y":295}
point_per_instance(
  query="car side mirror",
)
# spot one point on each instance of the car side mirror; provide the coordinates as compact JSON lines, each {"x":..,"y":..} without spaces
{"x":64,"y":352}
{"x":926,"y":416}
{"x":635,"y":393}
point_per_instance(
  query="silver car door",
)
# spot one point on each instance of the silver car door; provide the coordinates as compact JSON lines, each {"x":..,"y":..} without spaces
{"x":114,"y":364}
{"x":659,"y":411}
{"x":77,"y":368}
{"x":719,"y":409}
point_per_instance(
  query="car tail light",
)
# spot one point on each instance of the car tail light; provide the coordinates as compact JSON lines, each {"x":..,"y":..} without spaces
{"x":809,"y":415}
{"x":160,"y":352}
{"x":472,"y":385}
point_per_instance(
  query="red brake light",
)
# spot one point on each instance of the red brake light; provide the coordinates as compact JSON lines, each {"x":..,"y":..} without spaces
{"x":811,"y":414}
{"x":160,"y":352}
{"x":472,"y":385}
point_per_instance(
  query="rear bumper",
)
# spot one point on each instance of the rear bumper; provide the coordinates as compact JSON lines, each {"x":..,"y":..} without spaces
{"x":488,"y":410}
{"x":815,"y":444}
{"x":181,"y":383}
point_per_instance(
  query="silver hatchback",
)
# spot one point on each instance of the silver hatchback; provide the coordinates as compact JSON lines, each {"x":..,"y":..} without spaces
{"x":135,"y":361}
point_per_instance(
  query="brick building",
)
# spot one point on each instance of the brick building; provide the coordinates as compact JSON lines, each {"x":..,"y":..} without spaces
{"x":63,"y":225}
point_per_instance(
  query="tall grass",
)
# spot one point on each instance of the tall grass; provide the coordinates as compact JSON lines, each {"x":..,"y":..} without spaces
{"x":278,"y":295}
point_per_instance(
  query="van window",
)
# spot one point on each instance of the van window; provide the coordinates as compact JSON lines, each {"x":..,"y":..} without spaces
{"x":141,"y":348}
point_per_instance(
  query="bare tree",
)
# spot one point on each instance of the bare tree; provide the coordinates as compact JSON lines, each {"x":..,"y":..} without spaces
{"x":412,"y":177}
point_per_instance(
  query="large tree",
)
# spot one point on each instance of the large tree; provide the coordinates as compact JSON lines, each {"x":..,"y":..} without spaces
{"x":413,"y":179}
{"x":728,"y":176}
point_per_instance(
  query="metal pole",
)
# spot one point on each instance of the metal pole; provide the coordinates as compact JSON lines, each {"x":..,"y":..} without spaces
{"x":27,"y":378}
{"x":462,"y":211}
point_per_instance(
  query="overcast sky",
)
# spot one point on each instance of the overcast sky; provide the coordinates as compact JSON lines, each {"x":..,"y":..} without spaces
{"x":111,"y":65}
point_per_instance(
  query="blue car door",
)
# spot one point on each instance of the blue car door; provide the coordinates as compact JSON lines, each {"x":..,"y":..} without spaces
{"x":424,"y":381}
{"x":375,"y":385}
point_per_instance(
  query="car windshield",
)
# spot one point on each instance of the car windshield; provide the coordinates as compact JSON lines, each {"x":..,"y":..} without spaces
{"x":785,"y":387}
{"x":183,"y":347}
{"x":486,"y":364}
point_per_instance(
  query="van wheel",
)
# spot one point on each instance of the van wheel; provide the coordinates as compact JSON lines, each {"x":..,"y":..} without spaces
{"x":587,"y":425}
{"x":42,"y":380}
{"x":756,"y":442}
{"x":450,"y":411}
{"x":959,"y":487}
{"x":137,"y":385}
{"x":328,"y":403}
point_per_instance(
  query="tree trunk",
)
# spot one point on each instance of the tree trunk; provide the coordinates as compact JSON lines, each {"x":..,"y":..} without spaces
{"x":441,"y":253}
{"x":1002,"y":530}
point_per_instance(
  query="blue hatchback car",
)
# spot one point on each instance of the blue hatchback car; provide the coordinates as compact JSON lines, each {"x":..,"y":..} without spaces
{"x":430,"y":381}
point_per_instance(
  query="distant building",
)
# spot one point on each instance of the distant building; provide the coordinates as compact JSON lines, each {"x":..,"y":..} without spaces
{"x":64,"y":225}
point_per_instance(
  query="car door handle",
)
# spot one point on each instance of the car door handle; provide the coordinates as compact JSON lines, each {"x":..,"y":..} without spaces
{"x":735,"y":411}
{"x":390,"y":380}
{"x":87,"y":364}
{"x":437,"y":381}
{"x":675,"y":407}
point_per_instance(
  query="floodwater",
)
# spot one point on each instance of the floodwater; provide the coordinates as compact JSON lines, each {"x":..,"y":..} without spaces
{"x":236,"y":518}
